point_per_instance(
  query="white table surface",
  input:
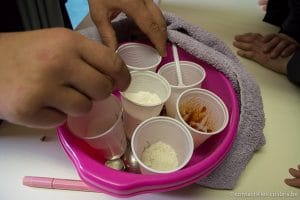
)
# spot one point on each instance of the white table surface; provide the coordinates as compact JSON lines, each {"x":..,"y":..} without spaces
{"x":22,"y":153}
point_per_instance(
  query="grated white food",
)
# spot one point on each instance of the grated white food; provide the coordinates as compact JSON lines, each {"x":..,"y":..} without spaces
{"x":160,"y":156}
{"x":143,"y":97}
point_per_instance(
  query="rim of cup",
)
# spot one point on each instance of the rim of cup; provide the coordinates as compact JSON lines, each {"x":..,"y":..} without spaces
{"x":192,"y":64}
{"x":176,"y":123}
{"x":127,"y":45}
{"x":158,"y":77}
{"x":218,"y":100}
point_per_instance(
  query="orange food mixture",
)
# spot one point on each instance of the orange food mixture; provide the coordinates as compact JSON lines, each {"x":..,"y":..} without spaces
{"x":196,"y":116}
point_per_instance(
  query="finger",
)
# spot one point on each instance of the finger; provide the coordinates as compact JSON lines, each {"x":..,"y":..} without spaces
{"x":294,"y":182}
{"x":299,"y":167}
{"x":47,"y":117}
{"x":243,"y":45}
{"x":160,"y":19}
{"x":269,"y":46}
{"x":295,"y":173}
{"x":105,"y":61}
{"x":69,"y":101}
{"x":89,"y":81}
{"x":252,"y":55}
{"x":246,"y":54}
{"x":147,"y":23}
{"x":105,"y":29}
{"x":289,"y":50}
{"x":269,"y":37}
{"x":286,"y":37}
{"x":114,"y":14}
{"x":278,"y":49}
{"x":249,"y":37}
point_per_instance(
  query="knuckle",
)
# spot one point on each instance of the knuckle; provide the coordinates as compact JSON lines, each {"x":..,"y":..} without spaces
{"x":65,"y":35}
{"x":129,"y":5}
{"x":51,"y":56}
{"x":266,"y":48}
{"x":153,"y":27}
{"x":64,"y":39}
{"x":117,"y":64}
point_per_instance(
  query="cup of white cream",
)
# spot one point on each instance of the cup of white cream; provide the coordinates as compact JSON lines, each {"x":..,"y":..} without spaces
{"x":144,"y":98}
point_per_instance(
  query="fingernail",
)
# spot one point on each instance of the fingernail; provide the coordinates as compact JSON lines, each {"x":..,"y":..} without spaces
{"x":164,"y":53}
{"x":286,"y":180}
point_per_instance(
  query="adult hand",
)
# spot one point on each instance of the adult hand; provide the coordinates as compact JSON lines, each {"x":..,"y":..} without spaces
{"x":145,"y":14}
{"x":48,"y":74}
{"x":251,"y":45}
{"x":279,"y":44}
{"x":295,"y":182}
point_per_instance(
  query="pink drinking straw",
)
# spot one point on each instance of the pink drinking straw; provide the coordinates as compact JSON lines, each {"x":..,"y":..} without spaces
{"x":55,"y":183}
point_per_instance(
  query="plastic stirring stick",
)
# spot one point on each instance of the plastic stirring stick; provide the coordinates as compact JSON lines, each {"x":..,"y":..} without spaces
{"x":177,"y":64}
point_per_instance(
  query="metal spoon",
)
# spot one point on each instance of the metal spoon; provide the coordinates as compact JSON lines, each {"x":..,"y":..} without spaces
{"x":130,"y":161}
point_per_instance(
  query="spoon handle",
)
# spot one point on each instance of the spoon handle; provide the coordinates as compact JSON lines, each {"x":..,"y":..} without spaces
{"x":177,"y":64}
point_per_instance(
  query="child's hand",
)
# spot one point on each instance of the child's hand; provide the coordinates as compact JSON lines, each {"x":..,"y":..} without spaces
{"x":295,"y":182}
{"x":279,"y":44}
{"x":251,"y":46}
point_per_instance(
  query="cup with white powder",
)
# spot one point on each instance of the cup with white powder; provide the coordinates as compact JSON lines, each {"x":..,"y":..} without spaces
{"x":143,"y":99}
{"x":161,"y":145}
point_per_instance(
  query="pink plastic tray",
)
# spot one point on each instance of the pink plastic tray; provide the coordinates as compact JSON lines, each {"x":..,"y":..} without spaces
{"x":206,"y":158}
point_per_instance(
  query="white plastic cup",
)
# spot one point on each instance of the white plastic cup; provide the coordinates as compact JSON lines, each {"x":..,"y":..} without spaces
{"x":139,"y":57}
{"x":102,"y":128}
{"x":136,"y":112}
{"x":167,"y":130}
{"x":192,"y":77}
{"x":217,"y":113}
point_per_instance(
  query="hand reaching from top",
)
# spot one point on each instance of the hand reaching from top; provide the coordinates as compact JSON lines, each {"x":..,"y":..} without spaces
{"x":145,"y":14}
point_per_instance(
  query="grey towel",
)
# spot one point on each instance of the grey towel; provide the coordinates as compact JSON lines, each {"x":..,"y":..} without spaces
{"x":207,"y":47}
